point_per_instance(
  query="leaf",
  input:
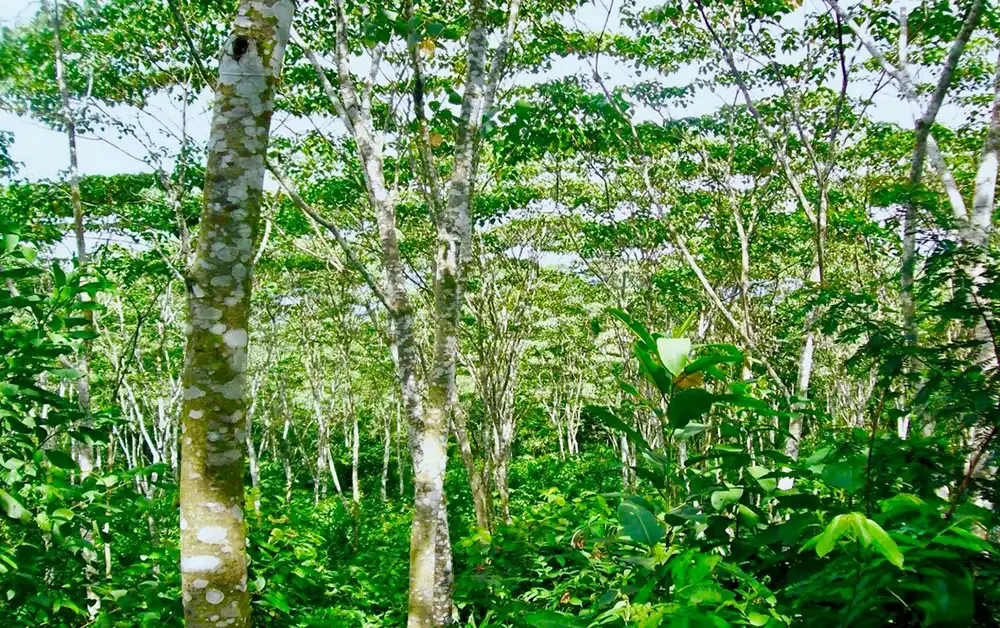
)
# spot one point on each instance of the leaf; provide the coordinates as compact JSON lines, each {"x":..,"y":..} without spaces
{"x":673,"y":353}
{"x":656,"y":479}
{"x":278,"y":601}
{"x":844,"y":475}
{"x":691,"y":430}
{"x":721,"y":499}
{"x":826,"y":540}
{"x":881,"y":541}
{"x":950,"y":600}
{"x":637,"y":328}
{"x":957,"y":537}
{"x":639,"y":524}
{"x":66,"y":373}
{"x":747,"y":516}
{"x":552,"y":619}
{"x":63,"y":513}
{"x":689,"y":405}
{"x":60,"y":459}
{"x":606,"y":418}
{"x":900,"y":503}
{"x":757,"y":619}
{"x":58,"y":275}
{"x":436,"y":139}
{"x":691,"y":380}
{"x":10,"y":240}
{"x":767,"y":484}
{"x":682,"y":514}
{"x":658,"y":375}
{"x":11,"y":506}
{"x":731,"y":355}
{"x":435,"y":28}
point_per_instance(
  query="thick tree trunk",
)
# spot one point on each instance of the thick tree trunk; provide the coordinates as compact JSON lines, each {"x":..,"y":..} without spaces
{"x":213,"y":536}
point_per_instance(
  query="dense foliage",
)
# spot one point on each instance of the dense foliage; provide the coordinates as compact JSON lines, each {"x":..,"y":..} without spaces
{"x":724,"y":347}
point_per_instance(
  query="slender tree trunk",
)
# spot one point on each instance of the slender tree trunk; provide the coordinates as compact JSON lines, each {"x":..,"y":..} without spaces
{"x":386,"y":457}
{"x":85,"y":452}
{"x":355,"y":440}
{"x":213,"y":536}
{"x":400,"y":470}
{"x":254,"y":465}
{"x":476,"y":485}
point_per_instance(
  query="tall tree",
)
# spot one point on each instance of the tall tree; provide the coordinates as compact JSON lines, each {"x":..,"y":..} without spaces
{"x":213,"y":537}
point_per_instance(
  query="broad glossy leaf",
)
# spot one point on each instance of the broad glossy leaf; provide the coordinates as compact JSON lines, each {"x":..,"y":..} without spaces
{"x":689,"y":405}
{"x":60,"y":459}
{"x":881,"y":541}
{"x":12,"y":507}
{"x":673,"y":353}
{"x":847,"y":475}
{"x":721,"y":499}
{"x":639,"y":524}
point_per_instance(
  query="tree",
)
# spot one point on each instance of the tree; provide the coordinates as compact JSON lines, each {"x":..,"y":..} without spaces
{"x":213,"y":537}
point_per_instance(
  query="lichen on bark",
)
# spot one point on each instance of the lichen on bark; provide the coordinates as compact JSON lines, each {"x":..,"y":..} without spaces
{"x":213,"y":537}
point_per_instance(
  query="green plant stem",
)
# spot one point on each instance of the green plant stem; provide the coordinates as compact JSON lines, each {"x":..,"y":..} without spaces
{"x":871,"y":448}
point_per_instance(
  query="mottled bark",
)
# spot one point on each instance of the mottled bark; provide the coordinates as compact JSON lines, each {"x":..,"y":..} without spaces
{"x":979,"y":227}
{"x":213,"y":537}
{"x":430,"y":550}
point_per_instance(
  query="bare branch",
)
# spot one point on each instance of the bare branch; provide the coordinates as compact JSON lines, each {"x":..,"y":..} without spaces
{"x":333,"y":229}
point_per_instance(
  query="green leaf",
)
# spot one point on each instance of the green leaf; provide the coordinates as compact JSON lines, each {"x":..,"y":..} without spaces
{"x":66,"y":373}
{"x":11,"y":506}
{"x":826,"y":540}
{"x":898,"y":504}
{"x":60,"y":459}
{"x":58,"y":276}
{"x":881,"y":541}
{"x":552,"y":619}
{"x":435,"y":28}
{"x":950,"y":599}
{"x":673,"y":353}
{"x":639,"y":524}
{"x":757,"y":619}
{"x":847,"y":475}
{"x":637,"y":328}
{"x":605,"y":417}
{"x":691,"y":430}
{"x":730,"y":355}
{"x":63,"y":513}
{"x":689,"y":405}
{"x":721,"y":499}
{"x":10,"y":240}
{"x":747,"y":516}
{"x":658,"y":375}
{"x":767,"y":484}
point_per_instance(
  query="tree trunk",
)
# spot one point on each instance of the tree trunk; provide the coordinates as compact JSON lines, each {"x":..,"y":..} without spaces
{"x":386,"y":456}
{"x":355,"y":440}
{"x":84,"y":451}
{"x":476,"y":484}
{"x":213,"y":536}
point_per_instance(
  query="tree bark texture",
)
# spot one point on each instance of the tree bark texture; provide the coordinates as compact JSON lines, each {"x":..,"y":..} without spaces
{"x":213,"y":536}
